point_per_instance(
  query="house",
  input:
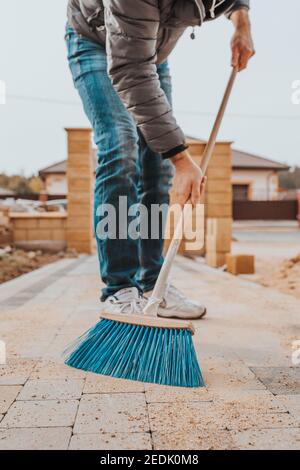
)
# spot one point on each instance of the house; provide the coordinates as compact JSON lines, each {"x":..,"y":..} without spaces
{"x":55,"y":179}
{"x":253,"y":177}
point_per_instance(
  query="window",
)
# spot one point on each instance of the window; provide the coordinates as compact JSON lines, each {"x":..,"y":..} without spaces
{"x":240,"y":192}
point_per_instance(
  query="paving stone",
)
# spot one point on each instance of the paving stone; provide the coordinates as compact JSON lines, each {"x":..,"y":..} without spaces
{"x":103,"y":384}
{"x":205,"y":439}
{"x":290,"y":403}
{"x":117,"y":441}
{"x":49,"y":413}
{"x":55,"y":370}
{"x":112,"y":413}
{"x":60,"y":389}
{"x":253,"y":329}
{"x":36,"y":350}
{"x":80,"y":323}
{"x":164,"y":394}
{"x":225,"y":373}
{"x":58,"y":344}
{"x":262,"y":401}
{"x":8,"y":394}
{"x":16,"y":372}
{"x":267,"y":352}
{"x":267,"y":439}
{"x":35,"y":438}
{"x":167,"y":417}
{"x":38,"y":289}
{"x":170,"y":418}
{"x":280,"y":380}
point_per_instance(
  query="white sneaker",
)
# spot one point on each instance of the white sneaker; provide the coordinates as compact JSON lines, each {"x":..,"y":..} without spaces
{"x":125,"y":301}
{"x":177,"y":305}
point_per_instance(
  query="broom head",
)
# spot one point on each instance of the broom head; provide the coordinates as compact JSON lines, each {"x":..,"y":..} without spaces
{"x":147,"y":349}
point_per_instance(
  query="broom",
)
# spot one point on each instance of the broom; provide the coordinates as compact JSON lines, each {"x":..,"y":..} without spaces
{"x":148,"y":348}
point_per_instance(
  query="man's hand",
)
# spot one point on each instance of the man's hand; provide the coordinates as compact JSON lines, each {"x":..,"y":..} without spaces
{"x":189,"y":182}
{"x":242,"y":43}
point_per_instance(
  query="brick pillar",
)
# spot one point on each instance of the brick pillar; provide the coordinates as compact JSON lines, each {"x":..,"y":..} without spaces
{"x":218,"y":205}
{"x":80,"y":177}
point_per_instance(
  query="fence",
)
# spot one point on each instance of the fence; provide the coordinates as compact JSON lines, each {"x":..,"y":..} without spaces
{"x":265,"y":210}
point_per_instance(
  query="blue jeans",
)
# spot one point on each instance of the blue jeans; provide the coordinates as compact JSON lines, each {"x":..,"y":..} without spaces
{"x":126,"y":167}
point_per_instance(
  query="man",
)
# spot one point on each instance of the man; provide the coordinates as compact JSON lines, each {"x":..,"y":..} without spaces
{"x":117,"y":51}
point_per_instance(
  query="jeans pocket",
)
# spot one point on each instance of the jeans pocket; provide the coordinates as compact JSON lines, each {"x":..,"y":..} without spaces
{"x":84,"y":56}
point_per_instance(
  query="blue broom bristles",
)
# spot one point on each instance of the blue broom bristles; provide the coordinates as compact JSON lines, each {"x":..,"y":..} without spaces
{"x":164,"y":356}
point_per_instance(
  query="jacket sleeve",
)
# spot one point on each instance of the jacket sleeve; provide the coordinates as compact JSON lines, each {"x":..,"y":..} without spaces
{"x":238,"y":4}
{"x":132,"y":28}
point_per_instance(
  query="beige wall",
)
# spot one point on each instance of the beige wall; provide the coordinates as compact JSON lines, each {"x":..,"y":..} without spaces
{"x":48,"y":226}
{"x":263,"y":184}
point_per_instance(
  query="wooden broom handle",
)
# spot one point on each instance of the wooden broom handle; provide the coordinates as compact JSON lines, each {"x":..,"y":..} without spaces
{"x":214,"y":133}
{"x":152,"y":306}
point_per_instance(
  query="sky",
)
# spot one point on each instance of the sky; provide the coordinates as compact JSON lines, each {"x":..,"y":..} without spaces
{"x":41,"y":100}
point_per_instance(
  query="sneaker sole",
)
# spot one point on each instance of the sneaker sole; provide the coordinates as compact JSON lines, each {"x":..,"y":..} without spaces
{"x":177,"y":317}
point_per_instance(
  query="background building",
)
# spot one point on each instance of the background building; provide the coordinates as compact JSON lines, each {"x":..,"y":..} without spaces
{"x":253,"y":177}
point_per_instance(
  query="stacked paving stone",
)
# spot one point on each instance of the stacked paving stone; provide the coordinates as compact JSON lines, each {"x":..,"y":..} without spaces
{"x":218,"y":240}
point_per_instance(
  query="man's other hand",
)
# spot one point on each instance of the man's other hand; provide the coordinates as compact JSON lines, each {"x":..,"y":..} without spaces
{"x":242,"y":43}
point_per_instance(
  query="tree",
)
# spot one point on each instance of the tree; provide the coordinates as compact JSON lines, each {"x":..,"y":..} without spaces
{"x":20,"y":184}
{"x":290,"y":179}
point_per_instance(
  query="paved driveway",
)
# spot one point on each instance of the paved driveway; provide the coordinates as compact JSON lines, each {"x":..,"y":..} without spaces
{"x":245,"y":346}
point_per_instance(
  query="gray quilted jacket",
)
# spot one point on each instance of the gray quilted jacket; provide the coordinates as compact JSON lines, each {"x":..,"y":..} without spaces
{"x":138,"y":34}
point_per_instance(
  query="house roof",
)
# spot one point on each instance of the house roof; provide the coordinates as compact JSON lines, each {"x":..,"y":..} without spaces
{"x":60,"y":168}
{"x":246,"y":160}
{"x":240,"y":160}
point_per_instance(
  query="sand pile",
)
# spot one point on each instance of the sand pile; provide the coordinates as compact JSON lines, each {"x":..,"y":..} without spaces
{"x":286,"y":277}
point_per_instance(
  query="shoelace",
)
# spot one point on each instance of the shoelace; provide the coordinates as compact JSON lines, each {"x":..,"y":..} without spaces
{"x":135,"y":305}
